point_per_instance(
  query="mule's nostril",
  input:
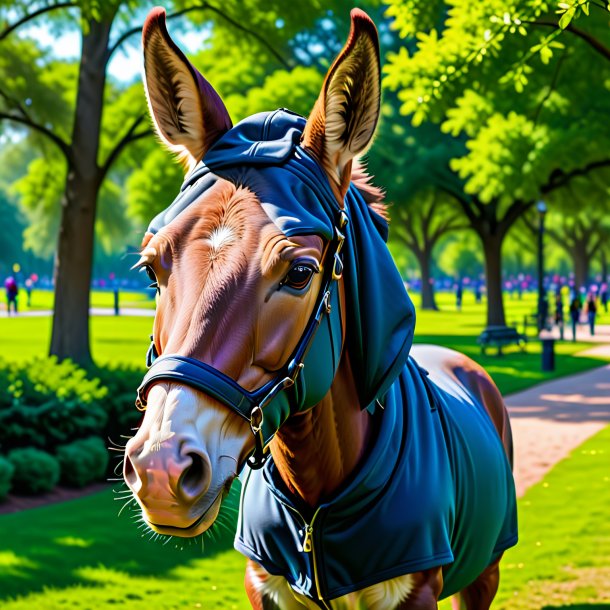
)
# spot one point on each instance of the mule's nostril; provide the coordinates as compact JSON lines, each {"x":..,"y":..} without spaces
{"x":129,"y":473}
{"x":195,"y":479}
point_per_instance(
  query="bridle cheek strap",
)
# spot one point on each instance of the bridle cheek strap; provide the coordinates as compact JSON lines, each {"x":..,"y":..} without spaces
{"x":268,"y":407}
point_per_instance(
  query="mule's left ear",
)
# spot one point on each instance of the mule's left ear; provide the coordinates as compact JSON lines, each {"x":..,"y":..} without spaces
{"x":343,"y":120}
{"x":188,"y":114}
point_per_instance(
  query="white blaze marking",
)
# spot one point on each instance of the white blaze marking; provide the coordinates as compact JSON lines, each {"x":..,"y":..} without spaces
{"x":220,"y":237}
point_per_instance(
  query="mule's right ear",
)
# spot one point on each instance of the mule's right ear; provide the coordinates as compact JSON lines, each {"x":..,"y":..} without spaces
{"x":188,"y":114}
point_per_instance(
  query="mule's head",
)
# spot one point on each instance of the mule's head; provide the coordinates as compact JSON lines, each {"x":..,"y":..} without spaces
{"x":235,"y":292}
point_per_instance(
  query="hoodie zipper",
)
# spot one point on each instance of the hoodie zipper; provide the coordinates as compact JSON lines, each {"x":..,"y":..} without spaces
{"x":309,"y":547}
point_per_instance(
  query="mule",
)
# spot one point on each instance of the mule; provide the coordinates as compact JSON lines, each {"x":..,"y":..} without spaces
{"x":375,"y":474}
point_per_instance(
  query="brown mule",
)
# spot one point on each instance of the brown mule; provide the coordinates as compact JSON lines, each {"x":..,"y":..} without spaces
{"x":237,"y":295}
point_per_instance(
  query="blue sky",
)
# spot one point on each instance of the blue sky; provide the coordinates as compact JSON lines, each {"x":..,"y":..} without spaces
{"x":126,"y":63}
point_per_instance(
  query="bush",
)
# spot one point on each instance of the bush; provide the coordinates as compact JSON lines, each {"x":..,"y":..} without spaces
{"x":35,"y":471}
{"x":121,"y":381}
{"x":46,"y":404}
{"x":83,"y":461}
{"x":6,"y":475}
{"x":49,"y":403}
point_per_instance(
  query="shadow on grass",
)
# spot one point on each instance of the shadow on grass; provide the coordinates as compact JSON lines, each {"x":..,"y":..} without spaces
{"x":53,"y":545}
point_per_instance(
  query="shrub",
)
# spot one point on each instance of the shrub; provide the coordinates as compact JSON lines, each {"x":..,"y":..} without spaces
{"x":6,"y":475}
{"x":83,"y":461}
{"x":121,"y":381}
{"x":49,"y":403}
{"x":36,"y":471}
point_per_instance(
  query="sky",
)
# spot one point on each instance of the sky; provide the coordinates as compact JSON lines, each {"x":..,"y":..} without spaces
{"x":126,"y":64}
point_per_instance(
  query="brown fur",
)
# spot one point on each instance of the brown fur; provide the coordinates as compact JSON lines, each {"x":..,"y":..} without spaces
{"x":224,"y":244}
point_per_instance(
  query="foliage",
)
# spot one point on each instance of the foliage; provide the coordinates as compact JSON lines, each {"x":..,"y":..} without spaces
{"x":121,"y":381}
{"x":48,"y":403}
{"x":82,"y":461}
{"x":39,"y":192}
{"x":6,"y":475}
{"x":36,"y":471}
{"x":461,"y":256}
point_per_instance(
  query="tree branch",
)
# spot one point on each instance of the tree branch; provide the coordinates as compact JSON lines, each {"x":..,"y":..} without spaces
{"x":559,"y":178}
{"x":595,"y":44}
{"x":451,"y":224}
{"x":24,"y":120}
{"x":464,"y":203}
{"x":551,"y":87}
{"x":130,"y":136}
{"x":560,"y":240}
{"x":40,"y":11}
{"x":200,"y":7}
{"x":516,"y":209}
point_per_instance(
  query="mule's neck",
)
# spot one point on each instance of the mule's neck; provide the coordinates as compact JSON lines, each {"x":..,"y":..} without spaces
{"x":316,"y":451}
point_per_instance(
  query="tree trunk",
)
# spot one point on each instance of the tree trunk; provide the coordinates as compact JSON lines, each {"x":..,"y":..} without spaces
{"x":581,"y":260}
{"x":424,"y":258}
{"x":74,"y":256}
{"x":603,"y":259}
{"x":492,"y":249}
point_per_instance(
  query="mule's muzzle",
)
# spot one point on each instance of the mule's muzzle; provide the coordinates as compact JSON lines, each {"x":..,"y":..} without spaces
{"x":170,"y":478}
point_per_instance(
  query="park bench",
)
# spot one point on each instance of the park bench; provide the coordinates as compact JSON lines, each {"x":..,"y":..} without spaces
{"x":530,"y":321}
{"x":501,"y":336}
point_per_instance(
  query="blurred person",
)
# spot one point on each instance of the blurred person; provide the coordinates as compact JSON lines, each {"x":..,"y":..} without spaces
{"x":12,"y":290}
{"x":603,"y":295}
{"x":458,"y":296}
{"x":29,"y":284}
{"x":591,"y":308}
{"x":559,"y":313}
{"x":575,"y":307}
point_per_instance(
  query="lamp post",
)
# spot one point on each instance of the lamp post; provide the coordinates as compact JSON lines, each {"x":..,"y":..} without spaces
{"x":542,"y":304}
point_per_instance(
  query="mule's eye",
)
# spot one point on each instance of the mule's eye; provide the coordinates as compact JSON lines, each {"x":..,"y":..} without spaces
{"x":299,"y":276}
{"x":152,"y":277}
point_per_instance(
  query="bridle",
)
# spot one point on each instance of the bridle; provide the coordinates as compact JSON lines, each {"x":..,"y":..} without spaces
{"x":293,"y":388}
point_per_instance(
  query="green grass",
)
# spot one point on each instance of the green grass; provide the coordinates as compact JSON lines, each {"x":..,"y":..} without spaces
{"x":43,"y":299}
{"x":563,"y":558}
{"x":80,"y":555}
{"x":125,"y":339}
{"x":515,"y":370}
{"x":114,"y":339}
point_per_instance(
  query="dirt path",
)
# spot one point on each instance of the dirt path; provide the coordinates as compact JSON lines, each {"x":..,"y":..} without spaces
{"x":553,"y":418}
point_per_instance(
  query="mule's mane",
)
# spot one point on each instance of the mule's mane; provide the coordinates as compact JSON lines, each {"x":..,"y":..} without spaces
{"x":372,"y":194}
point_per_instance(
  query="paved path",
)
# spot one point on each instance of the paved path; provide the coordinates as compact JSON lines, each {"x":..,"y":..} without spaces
{"x":551,"y":419}
{"x":94,"y":311}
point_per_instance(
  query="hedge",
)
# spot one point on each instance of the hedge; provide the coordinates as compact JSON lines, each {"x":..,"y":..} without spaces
{"x":64,"y":410}
{"x":83,"y":462}
{"x":6,"y":475}
{"x":36,"y":471}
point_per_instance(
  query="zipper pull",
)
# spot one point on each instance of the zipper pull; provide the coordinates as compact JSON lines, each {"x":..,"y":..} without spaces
{"x":307,"y":546}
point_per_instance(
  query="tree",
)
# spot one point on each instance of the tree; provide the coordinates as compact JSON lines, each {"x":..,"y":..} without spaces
{"x":76,"y":128}
{"x":578,"y":223}
{"x":530,"y":113}
{"x":410,"y":164}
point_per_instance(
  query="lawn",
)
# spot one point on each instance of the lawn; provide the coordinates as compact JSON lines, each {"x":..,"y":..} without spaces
{"x":80,"y":555}
{"x":125,"y":339}
{"x":43,"y":299}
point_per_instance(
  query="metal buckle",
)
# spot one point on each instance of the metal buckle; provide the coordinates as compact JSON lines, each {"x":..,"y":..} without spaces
{"x":326,"y":301}
{"x":140,"y":401}
{"x":337,"y":262}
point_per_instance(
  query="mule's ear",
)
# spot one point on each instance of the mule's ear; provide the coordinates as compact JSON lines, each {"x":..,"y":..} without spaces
{"x":343,"y":120}
{"x":188,"y":114}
